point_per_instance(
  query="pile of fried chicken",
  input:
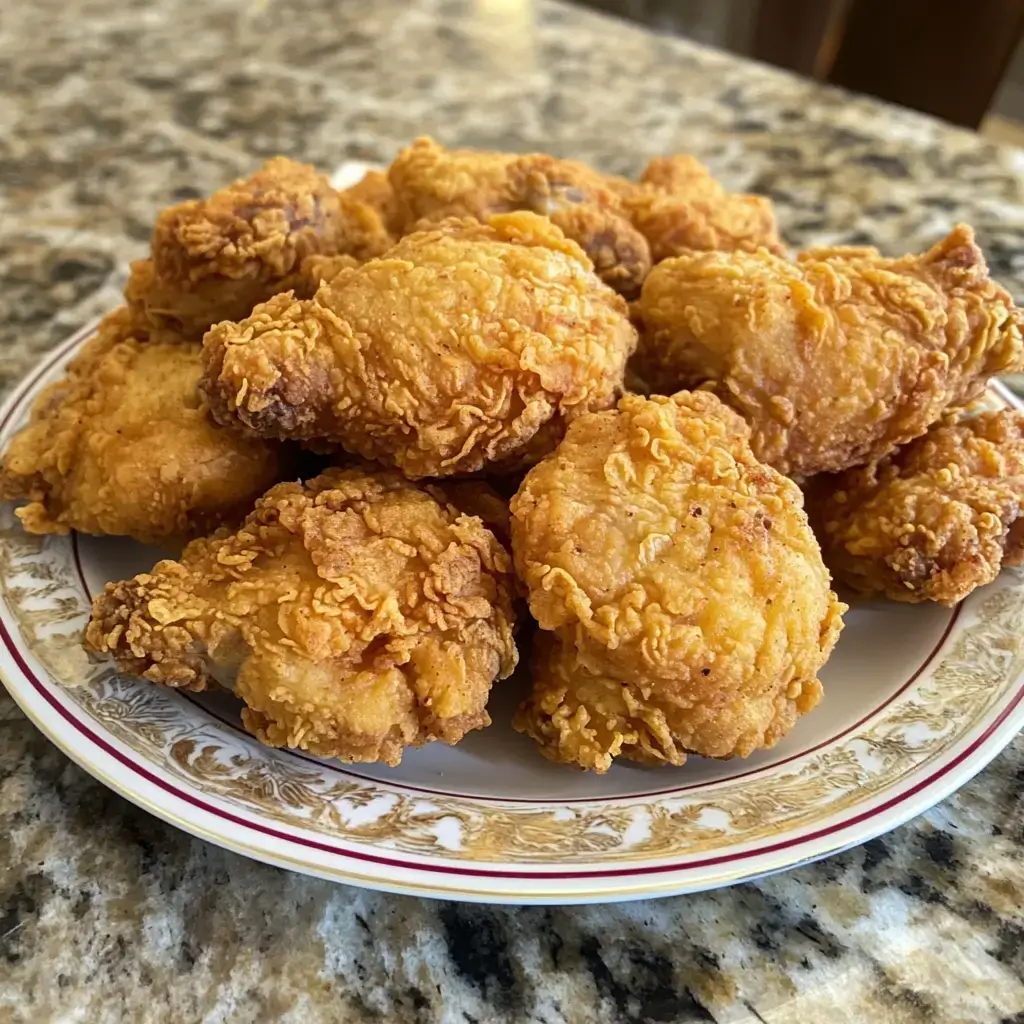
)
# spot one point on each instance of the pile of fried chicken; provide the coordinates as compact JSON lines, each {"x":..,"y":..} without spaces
{"x":523,"y":384}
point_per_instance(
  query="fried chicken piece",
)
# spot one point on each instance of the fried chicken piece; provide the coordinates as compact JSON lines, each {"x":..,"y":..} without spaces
{"x":688,"y":605}
{"x":465,"y":346}
{"x":679,"y":207}
{"x":581,"y":712}
{"x":316,"y":270}
{"x":374,"y":190}
{"x":355,"y":616}
{"x":932,"y":521}
{"x":120,"y":324}
{"x":122,"y":445}
{"x":480,"y":499}
{"x":215,"y":259}
{"x":835,"y":358}
{"x":431,"y":183}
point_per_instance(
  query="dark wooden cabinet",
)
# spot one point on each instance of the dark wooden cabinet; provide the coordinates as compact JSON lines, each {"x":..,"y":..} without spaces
{"x":945,"y":57}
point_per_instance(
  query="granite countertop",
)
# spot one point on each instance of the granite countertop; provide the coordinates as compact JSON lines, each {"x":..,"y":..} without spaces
{"x":109,"y":112}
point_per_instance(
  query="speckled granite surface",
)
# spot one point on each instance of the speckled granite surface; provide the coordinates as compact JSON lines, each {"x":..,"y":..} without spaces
{"x":110,"y":111}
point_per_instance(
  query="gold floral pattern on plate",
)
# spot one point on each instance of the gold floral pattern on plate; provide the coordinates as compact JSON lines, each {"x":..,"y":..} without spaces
{"x":46,"y":601}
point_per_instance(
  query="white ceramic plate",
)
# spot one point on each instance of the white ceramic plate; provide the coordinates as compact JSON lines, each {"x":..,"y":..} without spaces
{"x":917,"y":699}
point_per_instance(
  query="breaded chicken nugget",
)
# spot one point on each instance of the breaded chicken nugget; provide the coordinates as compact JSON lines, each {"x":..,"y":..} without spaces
{"x":374,"y":190}
{"x":465,"y":346}
{"x":356,"y":615}
{"x":932,"y":521}
{"x":431,"y":183}
{"x":215,"y":259}
{"x":689,"y":605}
{"x":679,"y":207}
{"x":834,"y":358}
{"x":122,"y":445}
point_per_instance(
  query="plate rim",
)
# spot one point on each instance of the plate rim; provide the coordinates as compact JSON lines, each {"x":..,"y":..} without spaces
{"x":924,"y":794}
{"x":972,"y":753}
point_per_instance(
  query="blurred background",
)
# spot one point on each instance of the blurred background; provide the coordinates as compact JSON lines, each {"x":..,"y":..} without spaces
{"x":962,"y":62}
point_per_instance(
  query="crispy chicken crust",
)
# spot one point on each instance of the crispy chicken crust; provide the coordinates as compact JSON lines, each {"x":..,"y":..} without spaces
{"x":465,"y":346}
{"x":316,"y":270}
{"x":480,"y":499}
{"x":679,"y":207}
{"x":215,"y":259}
{"x":431,"y":183}
{"x":687,"y":603}
{"x":374,"y":190}
{"x":835,"y":358}
{"x":122,"y":445}
{"x":932,"y":521}
{"x":356,"y":615}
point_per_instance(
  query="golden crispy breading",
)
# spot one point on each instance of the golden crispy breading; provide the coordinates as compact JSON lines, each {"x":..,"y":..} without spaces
{"x":316,"y":270}
{"x":618,"y":251}
{"x":679,"y":207}
{"x":933,"y":521}
{"x":690,"y":607}
{"x":215,"y":259}
{"x":581,"y":712}
{"x":120,"y":324}
{"x":122,"y":445}
{"x":374,"y":190}
{"x":838,"y":357}
{"x":480,"y":499}
{"x":356,"y":616}
{"x":458,"y":349}
{"x":431,"y":183}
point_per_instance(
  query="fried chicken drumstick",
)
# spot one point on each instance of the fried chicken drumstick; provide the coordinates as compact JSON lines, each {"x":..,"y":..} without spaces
{"x":215,"y":259}
{"x":465,"y":346}
{"x":687,"y":606}
{"x":355,"y":616}
{"x":932,"y":521}
{"x":834,"y":358}
{"x":122,"y":445}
